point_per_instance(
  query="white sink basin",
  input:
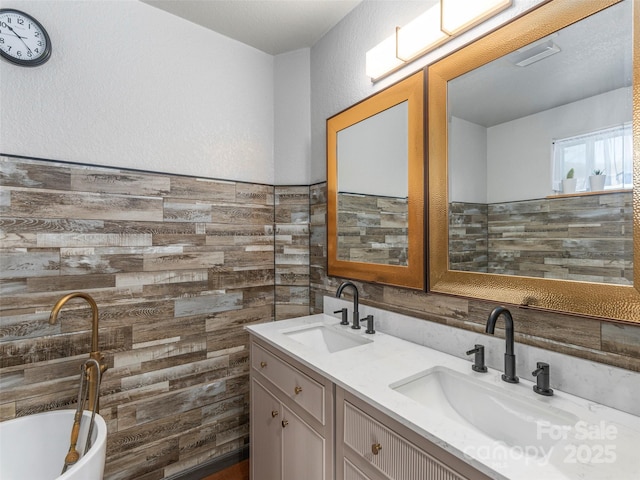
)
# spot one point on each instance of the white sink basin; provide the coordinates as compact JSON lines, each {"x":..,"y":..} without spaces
{"x":505,"y":417}
{"x":325,"y":339}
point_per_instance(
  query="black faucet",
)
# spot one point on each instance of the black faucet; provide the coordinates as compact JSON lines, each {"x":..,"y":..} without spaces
{"x":542,"y":376}
{"x":509,"y":357}
{"x":356,"y":315}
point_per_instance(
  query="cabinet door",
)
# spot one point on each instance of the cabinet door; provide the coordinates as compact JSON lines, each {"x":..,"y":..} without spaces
{"x":303,"y":450}
{"x":266,"y":433}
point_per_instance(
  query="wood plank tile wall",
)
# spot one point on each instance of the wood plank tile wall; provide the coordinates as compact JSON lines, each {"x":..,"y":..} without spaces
{"x":468,"y":236}
{"x":177,"y":266}
{"x":586,"y":238}
{"x":372,"y":229}
{"x":292,"y":251}
{"x":605,"y":342}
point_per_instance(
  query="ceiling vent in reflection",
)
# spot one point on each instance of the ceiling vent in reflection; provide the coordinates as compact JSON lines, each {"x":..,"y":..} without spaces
{"x":534,"y":53}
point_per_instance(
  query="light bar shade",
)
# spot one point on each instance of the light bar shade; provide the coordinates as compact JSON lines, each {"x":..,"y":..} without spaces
{"x":420,"y":35}
{"x":460,"y":15}
{"x":382,"y":58}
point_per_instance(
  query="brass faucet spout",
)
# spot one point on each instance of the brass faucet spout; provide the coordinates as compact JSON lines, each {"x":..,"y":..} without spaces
{"x":94,"y":311}
{"x":93,"y":375}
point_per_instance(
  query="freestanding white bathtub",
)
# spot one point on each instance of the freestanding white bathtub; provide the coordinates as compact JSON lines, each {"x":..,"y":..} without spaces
{"x":34,"y":447}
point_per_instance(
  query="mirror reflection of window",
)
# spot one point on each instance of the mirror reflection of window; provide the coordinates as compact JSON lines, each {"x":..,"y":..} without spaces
{"x":605,"y":152}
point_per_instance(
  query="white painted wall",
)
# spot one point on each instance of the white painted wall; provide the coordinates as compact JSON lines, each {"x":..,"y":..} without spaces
{"x":338,"y":77}
{"x":372,"y":154}
{"x":519,"y":152}
{"x":467,"y":162}
{"x":132,"y":86}
{"x":292,"y":118}
{"x":129,"y":85}
{"x":513,"y":161}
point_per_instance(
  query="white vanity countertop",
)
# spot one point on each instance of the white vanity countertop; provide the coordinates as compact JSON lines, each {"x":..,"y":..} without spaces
{"x":602,"y":445}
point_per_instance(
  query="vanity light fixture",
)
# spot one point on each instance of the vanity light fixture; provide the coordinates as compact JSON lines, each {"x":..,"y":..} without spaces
{"x":444,"y":20}
{"x":420,"y":35}
{"x":460,"y":15}
{"x":382,"y":59}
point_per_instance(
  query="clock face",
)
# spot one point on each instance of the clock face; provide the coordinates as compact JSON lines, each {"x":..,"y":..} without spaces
{"x":23,"y":40}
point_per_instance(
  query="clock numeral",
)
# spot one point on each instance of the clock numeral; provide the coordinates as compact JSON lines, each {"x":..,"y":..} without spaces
{"x":37,"y":34}
{"x":20,"y":21}
{"x":19,"y":53}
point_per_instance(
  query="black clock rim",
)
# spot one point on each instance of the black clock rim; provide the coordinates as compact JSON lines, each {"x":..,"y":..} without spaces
{"x":29,"y":63}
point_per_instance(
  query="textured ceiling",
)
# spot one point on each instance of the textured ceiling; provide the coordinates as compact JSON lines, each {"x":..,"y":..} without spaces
{"x":273,"y":26}
{"x":595,"y":57}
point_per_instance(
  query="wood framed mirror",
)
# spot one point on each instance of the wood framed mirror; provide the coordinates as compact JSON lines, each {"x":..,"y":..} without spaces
{"x":375,"y":187}
{"x":567,"y":280}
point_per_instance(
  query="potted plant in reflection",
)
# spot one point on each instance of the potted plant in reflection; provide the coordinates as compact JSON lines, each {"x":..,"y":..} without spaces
{"x":569,"y":183}
{"x":597,"y":180}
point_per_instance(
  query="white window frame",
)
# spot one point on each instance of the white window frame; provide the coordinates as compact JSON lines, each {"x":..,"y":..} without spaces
{"x":608,"y":149}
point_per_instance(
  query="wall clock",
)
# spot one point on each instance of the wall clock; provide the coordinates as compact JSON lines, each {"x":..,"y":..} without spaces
{"x":23,"y":40}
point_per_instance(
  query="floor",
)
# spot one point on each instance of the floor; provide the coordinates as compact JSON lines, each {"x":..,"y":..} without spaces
{"x":239,"y":471}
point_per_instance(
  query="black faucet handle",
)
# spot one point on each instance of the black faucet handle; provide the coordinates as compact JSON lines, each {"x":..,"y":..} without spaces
{"x":541,"y":368}
{"x":542,"y":379}
{"x":478,"y":361}
{"x":369,"y":320}
{"x":344,"y":320}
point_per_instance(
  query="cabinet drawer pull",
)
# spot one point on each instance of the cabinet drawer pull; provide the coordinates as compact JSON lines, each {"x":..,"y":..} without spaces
{"x":285,"y":423}
{"x":297,"y":390}
{"x":375,"y":448}
{"x":263,"y":364}
{"x":274,"y":413}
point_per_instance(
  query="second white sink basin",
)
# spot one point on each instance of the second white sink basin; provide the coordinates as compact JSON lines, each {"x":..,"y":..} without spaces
{"x":325,"y":339}
{"x":510,"y":418}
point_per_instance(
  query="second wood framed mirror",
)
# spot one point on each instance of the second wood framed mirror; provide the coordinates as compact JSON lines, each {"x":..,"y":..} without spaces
{"x":541,"y":246}
{"x":375,"y":187}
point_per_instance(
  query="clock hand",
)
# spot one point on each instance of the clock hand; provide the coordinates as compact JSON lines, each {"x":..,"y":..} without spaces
{"x":2,"y":33}
{"x":21,"y":38}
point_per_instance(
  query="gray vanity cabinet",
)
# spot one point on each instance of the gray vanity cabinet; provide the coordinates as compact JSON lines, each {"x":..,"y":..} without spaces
{"x":305,"y":427}
{"x":291,"y":418}
{"x":373,"y":446}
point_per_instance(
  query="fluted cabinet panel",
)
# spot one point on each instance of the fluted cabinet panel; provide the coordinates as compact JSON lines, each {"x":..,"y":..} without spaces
{"x":395,"y":457}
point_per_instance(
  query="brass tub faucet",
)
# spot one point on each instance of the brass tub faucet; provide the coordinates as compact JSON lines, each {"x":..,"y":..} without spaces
{"x":93,"y":376}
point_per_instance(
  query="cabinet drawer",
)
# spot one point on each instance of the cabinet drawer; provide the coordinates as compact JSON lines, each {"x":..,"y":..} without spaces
{"x":302,"y":389}
{"x":388,"y":452}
